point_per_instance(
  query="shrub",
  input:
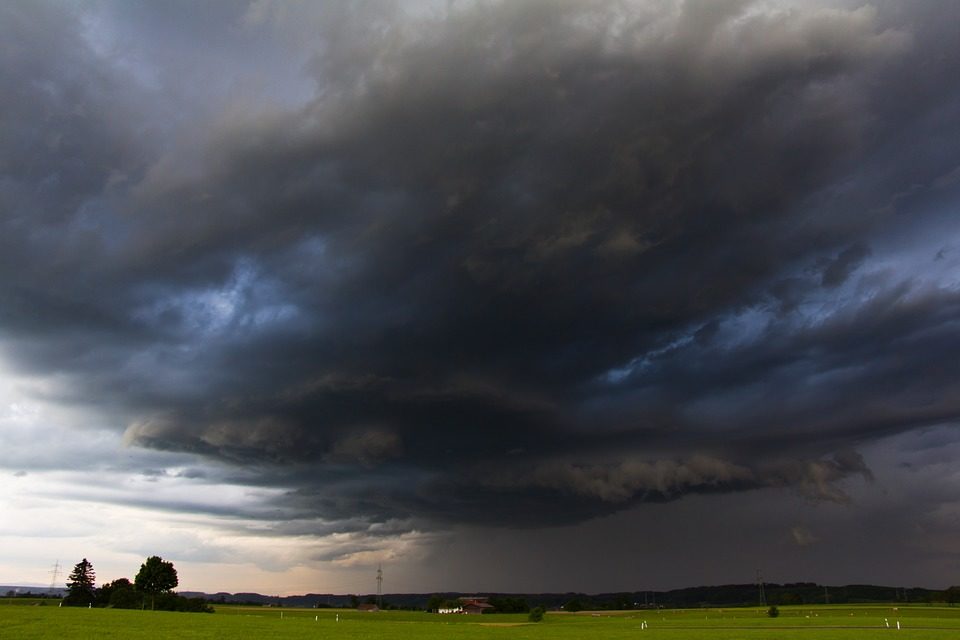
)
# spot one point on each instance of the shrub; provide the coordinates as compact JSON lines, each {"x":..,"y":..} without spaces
{"x":174,"y":602}
{"x":773,"y":612}
{"x":536,"y":614}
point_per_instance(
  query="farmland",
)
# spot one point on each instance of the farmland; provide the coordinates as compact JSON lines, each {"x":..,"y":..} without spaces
{"x":23,"y":621}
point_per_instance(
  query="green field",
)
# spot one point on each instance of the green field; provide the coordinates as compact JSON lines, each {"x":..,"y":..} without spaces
{"x":32,"y":622}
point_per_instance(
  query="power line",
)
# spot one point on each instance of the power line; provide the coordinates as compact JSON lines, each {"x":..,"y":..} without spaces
{"x":55,"y":572}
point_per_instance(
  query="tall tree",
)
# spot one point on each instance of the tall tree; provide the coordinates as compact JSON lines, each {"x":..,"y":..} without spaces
{"x":80,"y":585}
{"x":156,"y":576}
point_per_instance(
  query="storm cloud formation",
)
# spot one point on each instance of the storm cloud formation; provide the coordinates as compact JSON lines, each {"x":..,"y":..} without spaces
{"x":501,"y":263}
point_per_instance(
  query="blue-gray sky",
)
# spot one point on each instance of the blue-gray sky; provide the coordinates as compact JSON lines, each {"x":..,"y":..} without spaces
{"x":542,"y":295}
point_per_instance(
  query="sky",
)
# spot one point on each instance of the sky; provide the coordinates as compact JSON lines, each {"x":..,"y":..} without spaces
{"x":552,"y":295}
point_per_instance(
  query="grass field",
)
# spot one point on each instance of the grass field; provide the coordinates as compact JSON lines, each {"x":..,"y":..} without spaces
{"x":241,"y":623}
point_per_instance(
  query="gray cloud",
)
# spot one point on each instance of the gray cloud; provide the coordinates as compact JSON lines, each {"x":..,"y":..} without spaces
{"x":666,"y":479}
{"x":838,"y":269}
{"x":507,"y":263}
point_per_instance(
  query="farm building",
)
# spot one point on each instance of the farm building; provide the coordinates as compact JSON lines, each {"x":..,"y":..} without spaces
{"x":470,"y":605}
{"x":475,"y":605}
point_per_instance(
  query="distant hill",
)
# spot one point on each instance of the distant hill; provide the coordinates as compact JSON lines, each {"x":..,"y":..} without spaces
{"x":31,"y":591}
{"x":732,"y":595}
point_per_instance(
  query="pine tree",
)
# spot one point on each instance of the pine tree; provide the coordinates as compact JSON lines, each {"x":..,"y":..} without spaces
{"x":80,"y":585}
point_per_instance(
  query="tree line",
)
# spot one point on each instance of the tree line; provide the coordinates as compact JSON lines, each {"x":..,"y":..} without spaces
{"x":735,"y":595}
{"x":152,"y":587}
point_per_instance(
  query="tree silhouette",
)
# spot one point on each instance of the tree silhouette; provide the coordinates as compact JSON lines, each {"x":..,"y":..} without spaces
{"x":155,"y":577}
{"x":80,"y":585}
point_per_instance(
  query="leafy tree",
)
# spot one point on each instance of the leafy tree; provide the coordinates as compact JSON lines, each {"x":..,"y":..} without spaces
{"x":119,"y":594}
{"x":156,"y":577}
{"x":536,"y":614}
{"x":80,"y":585}
{"x":106,"y":590}
{"x":125,"y":598}
{"x":573,"y":606}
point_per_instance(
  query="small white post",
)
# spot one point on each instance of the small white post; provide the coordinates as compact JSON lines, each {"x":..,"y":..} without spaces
{"x":898,"y":625}
{"x":281,"y":615}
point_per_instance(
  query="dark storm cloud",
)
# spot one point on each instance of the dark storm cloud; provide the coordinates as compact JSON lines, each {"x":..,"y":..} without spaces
{"x":513,"y":263}
{"x":837,"y":270}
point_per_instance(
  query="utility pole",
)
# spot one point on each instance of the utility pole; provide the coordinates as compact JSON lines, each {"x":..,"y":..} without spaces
{"x":380,"y":586}
{"x":826,"y":595}
{"x":763,"y":595}
{"x":56,"y":573}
